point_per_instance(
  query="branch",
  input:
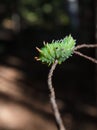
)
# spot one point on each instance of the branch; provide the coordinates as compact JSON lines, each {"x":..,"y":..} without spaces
{"x":86,"y":57}
{"x":53,"y":100}
{"x":85,"y":46}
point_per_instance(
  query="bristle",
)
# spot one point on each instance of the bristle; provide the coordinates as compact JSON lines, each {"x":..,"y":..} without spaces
{"x":36,"y":58}
{"x":38,"y":49}
{"x":43,"y":42}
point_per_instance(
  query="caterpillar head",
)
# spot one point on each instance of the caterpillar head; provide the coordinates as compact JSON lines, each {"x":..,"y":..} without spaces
{"x":56,"y":50}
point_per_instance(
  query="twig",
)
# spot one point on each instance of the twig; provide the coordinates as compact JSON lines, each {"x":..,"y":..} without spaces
{"x":53,"y":100}
{"x":86,"y":57}
{"x":85,"y":46}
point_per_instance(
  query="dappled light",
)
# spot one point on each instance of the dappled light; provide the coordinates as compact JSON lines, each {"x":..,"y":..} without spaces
{"x":16,"y":110}
{"x":25,"y":106}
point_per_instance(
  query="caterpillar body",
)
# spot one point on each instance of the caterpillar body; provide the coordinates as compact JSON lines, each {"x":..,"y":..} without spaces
{"x":59,"y":50}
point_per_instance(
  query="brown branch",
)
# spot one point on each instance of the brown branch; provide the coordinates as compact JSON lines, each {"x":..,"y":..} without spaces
{"x":86,"y":57}
{"x":85,"y":46}
{"x":53,"y":100}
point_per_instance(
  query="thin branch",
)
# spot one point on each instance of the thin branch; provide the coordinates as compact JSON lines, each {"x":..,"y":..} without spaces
{"x":53,"y":100}
{"x":85,"y":46}
{"x":86,"y":57}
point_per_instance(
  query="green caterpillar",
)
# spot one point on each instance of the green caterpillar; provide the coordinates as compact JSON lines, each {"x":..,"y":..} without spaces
{"x":56,"y":50}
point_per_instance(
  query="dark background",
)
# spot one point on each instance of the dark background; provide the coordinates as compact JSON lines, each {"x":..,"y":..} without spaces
{"x":25,"y":24}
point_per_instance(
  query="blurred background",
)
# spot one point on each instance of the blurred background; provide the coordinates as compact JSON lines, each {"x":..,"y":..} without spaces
{"x":24,"y":94}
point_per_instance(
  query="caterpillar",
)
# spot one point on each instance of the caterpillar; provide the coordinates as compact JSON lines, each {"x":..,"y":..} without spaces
{"x":59,"y":50}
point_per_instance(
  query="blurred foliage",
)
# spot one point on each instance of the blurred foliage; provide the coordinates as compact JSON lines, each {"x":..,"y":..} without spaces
{"x":44,"y":13}
{"x":48,"y":15}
